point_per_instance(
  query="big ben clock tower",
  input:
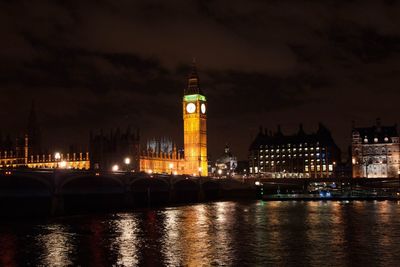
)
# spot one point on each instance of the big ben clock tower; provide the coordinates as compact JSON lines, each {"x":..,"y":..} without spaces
{"x":195,"y":127}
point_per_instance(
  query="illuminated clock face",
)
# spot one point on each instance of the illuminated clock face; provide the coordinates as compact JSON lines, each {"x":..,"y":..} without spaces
{"x":191,"y":107}
{"x":203,"y":108}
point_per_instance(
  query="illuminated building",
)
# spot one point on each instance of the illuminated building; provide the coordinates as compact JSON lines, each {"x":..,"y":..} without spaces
{"x":194,"y":161}
{"x":299,"y":156}
{"x":155,"y":159}
{"x":375,"y":151}
{"x":160,"y":156}
{"x":227,"y":163}
{"x":121,"y":151}
{"x":27,"y":152}
{"x":195,"y":127}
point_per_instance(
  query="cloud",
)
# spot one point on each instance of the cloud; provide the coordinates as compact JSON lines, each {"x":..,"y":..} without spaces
{"x":94,"y":64}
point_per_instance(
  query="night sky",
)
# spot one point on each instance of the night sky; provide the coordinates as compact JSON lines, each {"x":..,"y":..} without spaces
{"x":102,"y":64}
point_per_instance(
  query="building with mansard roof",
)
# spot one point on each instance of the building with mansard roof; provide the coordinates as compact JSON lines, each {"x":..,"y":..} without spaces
{"x":300,"y":155}
{"x":375,"y":151}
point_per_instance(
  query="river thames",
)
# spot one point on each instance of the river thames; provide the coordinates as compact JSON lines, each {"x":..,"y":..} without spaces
{"x":259,"y":233}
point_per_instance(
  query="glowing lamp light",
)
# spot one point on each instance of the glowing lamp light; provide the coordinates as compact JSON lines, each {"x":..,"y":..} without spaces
{"x":63,"y":164}
{"x":175,"y":173}
{"x":57,"y":155}
{"x":115,"y":168}
{"x":219,"y":171}
{"x":127,"y":161}
{"x":171,"y":166}
{"x":150,"y":171}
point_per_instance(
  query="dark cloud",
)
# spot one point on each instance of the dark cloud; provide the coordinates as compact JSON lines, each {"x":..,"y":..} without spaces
{"x":100,"y":64}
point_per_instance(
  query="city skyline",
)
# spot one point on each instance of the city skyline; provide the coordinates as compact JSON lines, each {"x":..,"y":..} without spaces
{"x":92,"y":66}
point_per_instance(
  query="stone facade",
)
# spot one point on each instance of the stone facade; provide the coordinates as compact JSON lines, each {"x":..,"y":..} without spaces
{"x":375,"y":151}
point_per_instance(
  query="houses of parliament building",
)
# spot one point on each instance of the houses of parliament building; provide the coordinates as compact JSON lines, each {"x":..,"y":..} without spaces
{"x":27,"y":152}
{"x":160,"y":156}
{"x":118,"y":150}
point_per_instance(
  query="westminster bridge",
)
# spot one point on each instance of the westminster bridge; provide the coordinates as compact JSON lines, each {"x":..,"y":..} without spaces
{"x":60,"y":191}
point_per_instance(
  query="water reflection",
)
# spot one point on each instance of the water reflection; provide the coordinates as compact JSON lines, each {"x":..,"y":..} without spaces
{"x":222,"y":233}
{"x":171,"y":249}
{"x":57,"y":246}
{"x":126,"y":242}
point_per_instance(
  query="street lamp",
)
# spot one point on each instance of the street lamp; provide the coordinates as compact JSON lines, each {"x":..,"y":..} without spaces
{"x":127,"y":161}
{"x":219,"y":172}
{"x":57,"y":157}
{"x":115,"y":168}
{"x":170,"y":166}
{"x":63,"y":164}
{"x":200,"y":169}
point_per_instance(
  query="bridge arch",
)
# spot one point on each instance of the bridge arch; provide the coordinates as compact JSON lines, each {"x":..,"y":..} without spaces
{"x":158,"y":184}
{"x":91,"y":184}
{"x":24,"y":195}
{"x":25,"y":184}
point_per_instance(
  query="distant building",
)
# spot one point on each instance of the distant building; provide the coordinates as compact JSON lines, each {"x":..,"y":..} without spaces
{"x":300,"y":155}
{"x":375,"y":151}
{"x":226,"y":164}
{"x":110,"y":150}
{"x":27,"y":151}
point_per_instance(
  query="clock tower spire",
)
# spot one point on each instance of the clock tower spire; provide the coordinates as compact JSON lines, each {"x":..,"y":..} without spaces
{"x":195,"y":126}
